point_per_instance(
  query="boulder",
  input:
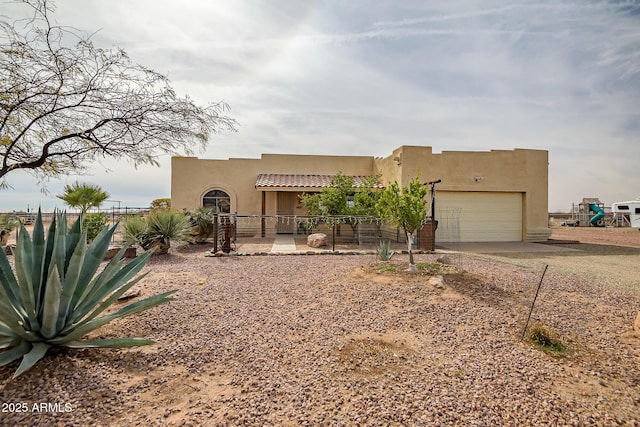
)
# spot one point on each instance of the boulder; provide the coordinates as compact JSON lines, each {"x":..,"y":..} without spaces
{"x":444,"y":260}
{"x":436,"y":281}
{"x":317,"y":240}
{"x":130,"y":252}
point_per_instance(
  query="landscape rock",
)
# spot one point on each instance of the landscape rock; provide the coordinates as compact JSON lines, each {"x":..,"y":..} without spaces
{"x":444,"y":260}
{"x":317,"y":240}
{"x":130,"y":252}
{"x":436,"y":282}
{"x":131,"y":293}
{"x":335,"y":340}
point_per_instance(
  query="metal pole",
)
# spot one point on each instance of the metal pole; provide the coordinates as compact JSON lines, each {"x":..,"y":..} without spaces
{"x":215,"y":233}
{"x":333,"y":248}
{"x":526,"y":325}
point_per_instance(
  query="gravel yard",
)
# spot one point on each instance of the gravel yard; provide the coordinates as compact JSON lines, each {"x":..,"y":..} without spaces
{"x":345,"y":340}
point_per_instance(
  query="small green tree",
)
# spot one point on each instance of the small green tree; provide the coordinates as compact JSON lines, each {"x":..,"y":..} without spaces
{"x":83,"y":196}
{"x":405,"y":208}
{"x":335,"y":199}
{"x":163,"y":203}
{"x":365,"y":199}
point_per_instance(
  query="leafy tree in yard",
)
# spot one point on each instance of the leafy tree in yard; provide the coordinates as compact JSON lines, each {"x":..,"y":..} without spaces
{"x":65,"y":102}
{"x":163,"y":203}
{"x":83,"y":196}
{"x":334,"y":199}
{"x":405,"y":208}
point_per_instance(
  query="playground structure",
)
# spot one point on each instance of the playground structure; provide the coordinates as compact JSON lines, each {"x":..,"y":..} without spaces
{"x":588,"y":213}
{"x":591,"y":212}
{"x":626,"y":213}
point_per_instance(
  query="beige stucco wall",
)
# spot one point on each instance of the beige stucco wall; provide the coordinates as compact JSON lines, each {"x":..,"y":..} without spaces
{"x":524,"y":171}
{"x":192,"y":178}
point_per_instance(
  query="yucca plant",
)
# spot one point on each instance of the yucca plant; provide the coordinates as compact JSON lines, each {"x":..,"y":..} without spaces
{"x":201,"y":221}
{"x":384,"y":250}
{"x":135,"y":229}
{"x":57,"y":295}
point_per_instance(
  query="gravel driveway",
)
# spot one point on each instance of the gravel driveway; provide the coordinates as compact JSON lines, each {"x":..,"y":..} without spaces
{"x":344,"y":340}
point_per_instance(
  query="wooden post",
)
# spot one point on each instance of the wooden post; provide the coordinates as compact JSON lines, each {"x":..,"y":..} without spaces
{"x":433,"y":212}
{"x":262,"y":221}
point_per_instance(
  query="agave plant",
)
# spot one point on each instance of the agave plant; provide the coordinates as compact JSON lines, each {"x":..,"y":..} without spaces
{"x":384,"y":251}
{"x":57,"y":295}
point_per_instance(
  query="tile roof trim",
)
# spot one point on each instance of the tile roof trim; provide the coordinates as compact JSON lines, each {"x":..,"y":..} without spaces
{"x":277,"y":180}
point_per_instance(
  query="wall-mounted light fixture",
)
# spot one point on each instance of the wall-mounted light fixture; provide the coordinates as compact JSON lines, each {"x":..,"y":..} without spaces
{"x":478,"y":178}
{"x":398,"y":159}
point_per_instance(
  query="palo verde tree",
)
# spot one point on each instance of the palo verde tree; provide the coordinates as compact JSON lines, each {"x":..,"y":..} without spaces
{"x":83,"y":196}
{"x":65,"y":102}
{"x":342,"y":198}
{"x":405,"y":208}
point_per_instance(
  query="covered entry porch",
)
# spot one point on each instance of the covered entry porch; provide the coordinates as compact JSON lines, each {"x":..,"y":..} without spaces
{"x":280,"y":195}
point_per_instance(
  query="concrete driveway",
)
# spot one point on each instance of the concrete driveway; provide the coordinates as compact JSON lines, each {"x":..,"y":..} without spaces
{"x":503,"y":247}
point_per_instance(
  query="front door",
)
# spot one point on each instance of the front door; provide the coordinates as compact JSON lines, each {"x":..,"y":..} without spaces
{"x":286,"y":203}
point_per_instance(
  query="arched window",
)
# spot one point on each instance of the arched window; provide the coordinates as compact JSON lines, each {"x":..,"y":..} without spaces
{"x":218,"y":201}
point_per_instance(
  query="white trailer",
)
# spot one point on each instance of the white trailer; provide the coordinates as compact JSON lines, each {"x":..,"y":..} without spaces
{"x":630,"y":210}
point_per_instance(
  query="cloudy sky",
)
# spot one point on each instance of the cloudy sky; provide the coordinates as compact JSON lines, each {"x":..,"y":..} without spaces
{"x":362,"y":77}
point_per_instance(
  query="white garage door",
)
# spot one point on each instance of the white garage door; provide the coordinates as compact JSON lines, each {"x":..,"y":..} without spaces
{"x":483,"y":216}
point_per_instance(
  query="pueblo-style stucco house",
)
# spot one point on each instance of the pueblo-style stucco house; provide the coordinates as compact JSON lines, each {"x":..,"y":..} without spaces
{"x":500,"y":195}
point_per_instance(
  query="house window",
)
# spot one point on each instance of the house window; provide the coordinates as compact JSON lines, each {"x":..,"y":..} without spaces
{"x":218,"y":201}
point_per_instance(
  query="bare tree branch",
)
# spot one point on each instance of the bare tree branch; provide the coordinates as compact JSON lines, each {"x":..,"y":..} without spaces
{"x":64,"y":102}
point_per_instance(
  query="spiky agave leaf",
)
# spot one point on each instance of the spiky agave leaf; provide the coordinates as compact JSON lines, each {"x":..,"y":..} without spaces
{"x":56,"y":293}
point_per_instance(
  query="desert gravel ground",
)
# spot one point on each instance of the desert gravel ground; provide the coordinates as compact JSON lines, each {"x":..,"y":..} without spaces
{"x":343,"y":340}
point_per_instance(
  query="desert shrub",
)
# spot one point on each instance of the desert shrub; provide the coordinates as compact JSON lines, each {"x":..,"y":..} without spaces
{"x":546,"y":339}
{"x":201,"y":221}
{"x":56,"y":296}
{"x":134,"y":229}
{"x":157,"y":230}
{"x":8,"y":223}
{"x":93,"y":224}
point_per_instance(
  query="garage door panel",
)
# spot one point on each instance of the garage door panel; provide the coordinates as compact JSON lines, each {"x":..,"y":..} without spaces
{"x":484,"y":216}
